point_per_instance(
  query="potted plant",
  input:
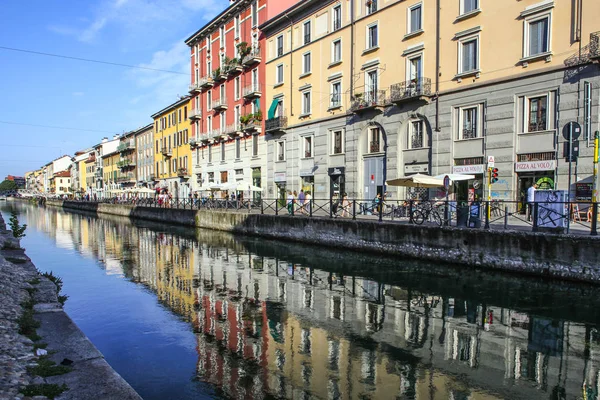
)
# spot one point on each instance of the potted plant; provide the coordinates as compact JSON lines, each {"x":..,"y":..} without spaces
{"x":258,"y":115}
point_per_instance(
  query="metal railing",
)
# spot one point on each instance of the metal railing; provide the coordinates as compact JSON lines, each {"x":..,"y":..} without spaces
{"x":537,"y":126}
{"x":126,"y":146}
{"x":195,"y":87}
{"x":166,"y":151}
{"x":252,"y":57}
{"x":219,"y":104}
{"x":253,"y":90}
{"x":410,"y":89}
{"x":195,"y":113}
{"x":367,"y":100}
{"x":206,"y":81}
{"x":553,"y":218}
{"x":276,"y":124}
{"x":595,"y":45}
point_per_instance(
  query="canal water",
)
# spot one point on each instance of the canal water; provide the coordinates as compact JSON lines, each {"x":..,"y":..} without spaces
{"x":186,"y":314}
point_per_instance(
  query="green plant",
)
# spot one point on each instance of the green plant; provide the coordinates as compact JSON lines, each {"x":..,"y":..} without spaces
{"x":59,"y":284}
{"x":17,"y":230}
{"x":46,"y":367}
{"x":258,"y":115}
{"x":245,"y":119}
{"x":27,"y":324}
{"x":243,"y":49}
{"x":50,"y":390}
{"x":10,"y":246}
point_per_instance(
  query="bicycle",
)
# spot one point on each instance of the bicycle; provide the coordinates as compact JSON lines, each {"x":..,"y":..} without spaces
{"x":426,"y":212}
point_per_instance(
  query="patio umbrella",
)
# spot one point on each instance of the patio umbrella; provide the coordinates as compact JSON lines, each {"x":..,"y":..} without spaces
{"x":455,"y":177}
{"x":418,"y":180}
{"x":241,"y":186}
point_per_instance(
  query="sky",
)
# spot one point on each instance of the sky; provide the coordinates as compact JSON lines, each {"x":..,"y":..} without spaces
{"x":50,"y":106}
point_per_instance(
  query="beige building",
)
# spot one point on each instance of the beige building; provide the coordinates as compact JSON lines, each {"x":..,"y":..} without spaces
{"x":361,"y":93}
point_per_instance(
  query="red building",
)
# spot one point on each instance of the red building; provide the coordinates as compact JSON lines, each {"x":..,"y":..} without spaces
{"x":227,"y":83}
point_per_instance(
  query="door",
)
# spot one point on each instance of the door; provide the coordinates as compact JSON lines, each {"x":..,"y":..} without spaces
{"x":525,"y":182}
{"x":373,"y":177}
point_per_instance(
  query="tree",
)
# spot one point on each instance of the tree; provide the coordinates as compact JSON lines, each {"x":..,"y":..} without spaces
{"x":8,"y":185}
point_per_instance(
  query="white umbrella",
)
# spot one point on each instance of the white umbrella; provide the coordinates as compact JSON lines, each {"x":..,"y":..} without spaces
{"x":418,"y":180}
{"x":241,"y":186}
{"x":455,"y":177}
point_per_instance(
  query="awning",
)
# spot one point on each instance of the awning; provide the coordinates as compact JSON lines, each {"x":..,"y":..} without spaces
{"x":455,"y":177}
{"x":418,"y":180}
{"x":272,"y":109}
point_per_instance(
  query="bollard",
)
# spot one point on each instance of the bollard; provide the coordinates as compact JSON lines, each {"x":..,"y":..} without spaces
{"x":410,"y":212}
{"x":594,"y":219}
{"x":380,"y":205}
{"x":354,"y":210}
{"x":446,"y":215}
{"x":311,"y":203}
{"x":505,"y":217}
{"x":262,"y":207}
{"x":392,"y":212}
{"x":535,"y":217}
{"x":276,"y":207}
{"x":330,"y":207}
{"x":487,"y":215}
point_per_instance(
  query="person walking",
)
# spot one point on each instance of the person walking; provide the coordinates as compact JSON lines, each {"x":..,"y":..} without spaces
{"x":290,"y":202}
{"x":307,"y":202}
{"x":301,"y":199}
{"x":345,"y":205}
{"x":530,"y":200}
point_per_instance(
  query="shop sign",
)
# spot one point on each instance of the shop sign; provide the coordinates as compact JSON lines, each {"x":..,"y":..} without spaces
{"x":416,"y":168}
{"x":583,"y":191}
{"x":336,"y":171}
{"x":468,"y":169}
{"x":526,"y":166}
{"x":279,"y":177}
{"x":306,"y":172}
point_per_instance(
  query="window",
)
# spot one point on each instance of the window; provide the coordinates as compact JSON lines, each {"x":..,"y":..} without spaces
{"x":254,"y":145}
{"x":306,"y":63}
{"x":587,"y":111}
{"x":279,"y":74}
{"x":222,"y":36}
{"x":254,"y":12}
{"x":372,"y":36}
{"x":414,"y":18}
{"x":468,"y":123}
{"x":337,"y":17}
{"x":279,"y":45}
{"x":306,"y":102}
{"x":238,"y":148}
{"x":415,"y":69}
{"x":415,"y":135}
{"x":308,"y":150}
{"x":468,"y":5}
{"x":537,"y":33}
{"x":537,"y":114}
{"x":371,"y":6}
{"x":336,"y":93}
{"x":337,"y":142}
{"x":237,"y":113}
{"x":374,"y":138}
{"x":222,"y":151}
{"x":222,"y":99}
{"x":209,"y":157}
{"x":468,"y":57}
{"x":209,"y":99}
{"x":336,"y":51}
{"x":307,"y":32}
{"x":236,"y":88}
{"x":371,"y":86}
{"x":280,"y":150}
{"x":209,"y":123}
{"x":236,"y":23}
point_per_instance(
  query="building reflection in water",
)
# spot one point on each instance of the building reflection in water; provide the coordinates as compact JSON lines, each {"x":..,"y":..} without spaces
{"x":272,"y":326}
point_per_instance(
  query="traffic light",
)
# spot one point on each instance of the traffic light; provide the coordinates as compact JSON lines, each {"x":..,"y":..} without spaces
{"x":494,"y":175}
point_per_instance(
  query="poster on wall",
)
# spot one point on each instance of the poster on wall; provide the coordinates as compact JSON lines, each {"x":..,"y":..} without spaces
{"x":552,"y":208}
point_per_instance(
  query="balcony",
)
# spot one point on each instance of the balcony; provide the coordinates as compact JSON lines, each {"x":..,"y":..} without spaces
{"x":195,"y":87}
{"x":206,"y":82}
{"x":126,"y":178}
{"x":98,"y":174}
{"x":125,"y":163}
{"x":195,"y":114}
{"x":166,"y":151}
{"x":373,"y":100}
{"x":183,"y":173}
{"x":234,"y":67}
{"x":194,"y":143}
{"x":277,"y":124}
{"x":91,"y":158}
{"x":126,"y":146}
{"x":233,"y":130}
{"x":253,"y":57}
{"x":220,"y":104}
{"x":219,"y":75}
{"x":215,"y":134}
{"x":252,"y":91}
{"x":375,"y":147}
{"x":204,"y":137}
{"x":413,"y":90}
{"x":595,"y":46}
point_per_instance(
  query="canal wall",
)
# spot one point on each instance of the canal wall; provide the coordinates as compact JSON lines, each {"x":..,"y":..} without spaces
{"x":558,"y":256}
{"x":35,"y":330}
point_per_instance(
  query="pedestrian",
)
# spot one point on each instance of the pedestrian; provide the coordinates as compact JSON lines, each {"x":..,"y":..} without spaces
{"x":345,"y":205}
{"x":530,"y":200}
{"x":307,"y":202}
{"x":377,"y":204}
{"x":290,"y":202}
{"x":301,"y":199}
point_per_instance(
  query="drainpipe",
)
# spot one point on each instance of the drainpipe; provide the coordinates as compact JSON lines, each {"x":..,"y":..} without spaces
{"x":291,"y":64}
{"x":351,"y":49}
{"x":437,"y":66}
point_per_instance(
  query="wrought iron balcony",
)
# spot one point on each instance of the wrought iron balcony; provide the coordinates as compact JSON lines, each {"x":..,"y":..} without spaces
{"x":219,"y":104}
{"x":195,"y":113}
{"x":595,"y":46}
{"x":194,"y":143}
{"x":252,"y":58}
{"x":204,"y":137}
{"x":233,"y":129}
{"x":537,"y":126}
{"x":233,"y":68}
{"x":215,"y":134}
{"x":252,"y":127}
{"x":125,"y":163}
{"x":195,"y":87}
{"x":277,"y":124}
{"x":252,"y":91}
{"x":126,"y":178}
{"x":367,"y":101}
{"x":126,"y":146}
{"x":166,"y":151}
{"x":206,"y":82}
{"x":415,"y":89}
{"x":469,"y":133}
{"x":375,"y":147}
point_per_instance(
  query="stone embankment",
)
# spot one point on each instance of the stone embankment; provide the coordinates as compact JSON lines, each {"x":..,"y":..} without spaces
{"x":43,"y":354}
{"x":558,"y":256}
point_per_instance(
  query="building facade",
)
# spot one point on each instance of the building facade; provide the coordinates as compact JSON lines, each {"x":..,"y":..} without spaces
{"x":355,"y":104}
{"x":227,"y":87}
{"x":144,"y":140}
{"x":172,"y":153}
{"x":127,"y":164}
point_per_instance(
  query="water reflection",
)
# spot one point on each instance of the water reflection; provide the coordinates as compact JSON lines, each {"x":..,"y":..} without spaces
{"x":289,"y":321}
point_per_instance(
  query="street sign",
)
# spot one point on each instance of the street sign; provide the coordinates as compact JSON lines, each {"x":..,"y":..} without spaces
{"x":446,"y":182}
{"x":571,"y":131}
{"x":491,"y":161}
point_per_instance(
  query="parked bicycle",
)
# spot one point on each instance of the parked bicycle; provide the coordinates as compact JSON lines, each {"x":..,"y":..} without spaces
{"x":426,"y":212}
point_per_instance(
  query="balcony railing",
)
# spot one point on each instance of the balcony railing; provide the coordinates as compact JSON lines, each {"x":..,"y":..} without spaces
{"x":206,"y":82}
{"x":469,"y":133}
{"x":537,"y":126}
{"x":277,"y":124}
{"x":194,"y":142}
{"x":595,"y":45}
{"x":232,"y":130}
{"x":409,"y":90}
{"x":195,"y":87}
{"x":252,"y":91}
{"x":253,"y":57}
{"x":416,"y":140}
{"x":182,"y":172}
{"x":125,"y":163}
{"x":126,"y":178}
{"x":375,"y":147}
{"x":219,"y":104}
{"x":195,"y":113}
{"x":126,"y":146}
{"x":214,"y":134}
{"x":233,"y":68}
{"x":252,"y":126}
{"x":166,"y":151}
{"x":204,"y":137}
{"x":367,"y":101}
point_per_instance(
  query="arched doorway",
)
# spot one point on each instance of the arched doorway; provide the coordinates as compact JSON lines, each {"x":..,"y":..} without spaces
{"x":374,"y":160}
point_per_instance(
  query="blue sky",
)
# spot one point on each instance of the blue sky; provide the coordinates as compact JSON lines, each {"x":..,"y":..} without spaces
{"x":95,"y":100}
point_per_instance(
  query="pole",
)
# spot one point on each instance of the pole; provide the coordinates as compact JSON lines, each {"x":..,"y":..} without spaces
{"x":489,"y":194}
{"x":595,"y":182}
{"x":570,"y":166}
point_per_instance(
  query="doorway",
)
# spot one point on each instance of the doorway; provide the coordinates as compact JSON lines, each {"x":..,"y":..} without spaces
{"x":544,"y":180}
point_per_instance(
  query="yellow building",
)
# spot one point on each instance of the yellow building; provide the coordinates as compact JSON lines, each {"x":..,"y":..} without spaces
{"x":172,"y":153}
{"x":111,"y":171}
{"x":363,"y":92}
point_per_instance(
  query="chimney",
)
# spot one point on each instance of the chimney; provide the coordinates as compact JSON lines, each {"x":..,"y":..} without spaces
{"x":104,"y":139}
{"x":116,"y":137}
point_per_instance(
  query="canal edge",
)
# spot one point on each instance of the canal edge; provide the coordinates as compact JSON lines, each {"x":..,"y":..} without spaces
{"x":44,"y":351}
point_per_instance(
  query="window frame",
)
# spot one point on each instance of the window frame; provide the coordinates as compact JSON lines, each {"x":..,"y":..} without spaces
{"x":462,"y":10}
{"x":370,"y":141}
{"x":307,"y":33}
{"x":410,"y":131}
{"x":279,"y":50}
{"x":368,"y":45}
{"x":331,"y":86}
{"x":278,"y":68}
{"x":334,"y":10}
{"x":369,"y":9}
{"x":527,"y":21}
{"x":409,"y":28}
{"x":223,"y":151}
{"x":332,"y":148}
{"x":280,"y":150}
{"x":333,"y":53}
{"x":307,"y":93}
{"x":237,"y":83}
{"x":459,"y":132}
{"x":306,"y":56}
{"x":255,"y":145}
{"x":461,"y":43}
{"x":308,"y":141}
{"x":238,"y":148}
{"x":527,"y":112}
